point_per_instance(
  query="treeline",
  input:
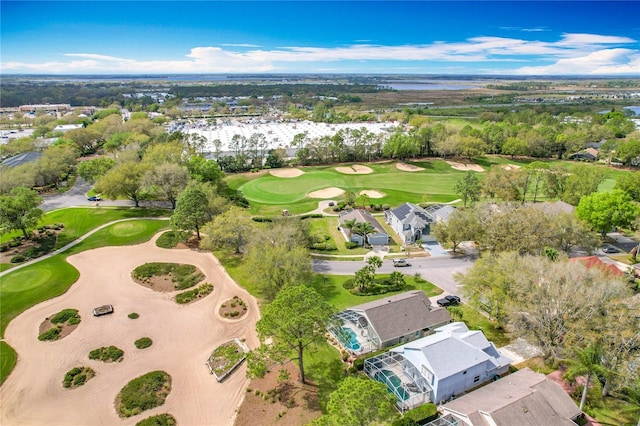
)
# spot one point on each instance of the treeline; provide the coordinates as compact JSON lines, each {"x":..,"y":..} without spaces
{"x":522,"y":86}
{"x":236,"y":90}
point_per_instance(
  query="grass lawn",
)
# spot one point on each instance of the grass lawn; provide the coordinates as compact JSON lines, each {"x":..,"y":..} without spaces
{"x":329,"y":226}
{"x":476,"y":321}
{"x":323,"y":366}
{"x":8,"y":358}
{"x":612,"y":411}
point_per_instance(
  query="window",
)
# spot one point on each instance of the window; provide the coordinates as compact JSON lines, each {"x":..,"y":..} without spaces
{"x":476,"y":379}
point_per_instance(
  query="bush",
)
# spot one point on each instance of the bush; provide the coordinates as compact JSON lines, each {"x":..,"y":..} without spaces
{"x":170,"y":239}
{"x":51,"y":334}
{"x":159,"y":420}
{"x":65,"y":315}
{"x":133,"y":315}
{"x":349,"y":284}
{"x":351,"y":245}
{"x":312,"y":216}
{"x":183,"y":275}
{"x":327,"y":246}
{"x":143,"y":393}
{"x":18,"y":258}
{"x":107,"y":354}
{"x":385,"y":207}
{"x":262,"y":219}
{"x":377,"y":207}
{"x":190,"y":295}
{"x":422,"y":413}
{"x":77,"y":377}
{"x":4,"y":248}
{"x":143,"y":343}
{"x":359,"y":364}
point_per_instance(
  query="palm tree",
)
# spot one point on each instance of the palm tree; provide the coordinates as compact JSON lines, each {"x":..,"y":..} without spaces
{"x":363,"y":228}
{"x":587,"y":361}
{"x":349,"y":224}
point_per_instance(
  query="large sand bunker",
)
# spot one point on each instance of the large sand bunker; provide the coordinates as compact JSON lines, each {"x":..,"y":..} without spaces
{"x":286,"y":173}
{"x":510,"y":167}
{"x":408,"y":167}
{"x":465,"y":167}
{"x":183,"y":338}
{"x":372,"y":193}
{"x":356,"y":169}
{"x":326,"y":193}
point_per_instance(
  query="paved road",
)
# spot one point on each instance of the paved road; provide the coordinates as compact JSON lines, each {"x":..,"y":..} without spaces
{"x":439,"y":271}
{"x":77,"y":196}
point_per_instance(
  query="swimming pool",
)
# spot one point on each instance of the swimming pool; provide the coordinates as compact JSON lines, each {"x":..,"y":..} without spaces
{"x":393,"y":382}
{"x":348,"y":338}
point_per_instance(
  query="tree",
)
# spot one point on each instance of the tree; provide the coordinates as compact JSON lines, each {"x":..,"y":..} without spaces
{"x":587,"y":362}
{"x":125,"y":179}
{"x":366,"y":276}
{"x":230,"y":229}
{"x":349,"y":224}
{"x":191,"y":210}
{"x":297,"y":318}
{"x":502,"y":184}
{"x":583,"y":180}
{"x":468,"y":188}
{"x":359,"y":401}
{"x":606,"y":210}
{"x":19,"y":210}
{"x":204,"y":170}
{"x":169,"y":179}
{"x":462,"y":225}
{"x":92,"y":170}
{"x":630,"y":183}
{"x":363,"y":228}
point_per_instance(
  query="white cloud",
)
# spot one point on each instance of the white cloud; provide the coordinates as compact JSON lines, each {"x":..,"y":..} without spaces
{"x":239,"y":45}
{"x":571,"y":54}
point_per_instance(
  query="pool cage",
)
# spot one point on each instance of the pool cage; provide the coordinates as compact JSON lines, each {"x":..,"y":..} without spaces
{"x":402,"y":379}
{"x":354,"y":333}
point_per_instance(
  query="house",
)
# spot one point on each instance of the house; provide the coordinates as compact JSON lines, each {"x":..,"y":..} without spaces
{"x":555,"y":208}
{"x":379,"y":237}
{"x":412,"y":222}
{"x":388,"y":321}
{"x":64,"y":128}
{"x":524,"y":398}
{"x":583,"y":156}
{"x":596,"y":262}
{"x":438,"y":367}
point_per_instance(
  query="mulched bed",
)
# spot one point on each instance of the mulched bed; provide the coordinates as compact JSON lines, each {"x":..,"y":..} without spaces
{"x":233,"y":308}
{"x":66,"y":328}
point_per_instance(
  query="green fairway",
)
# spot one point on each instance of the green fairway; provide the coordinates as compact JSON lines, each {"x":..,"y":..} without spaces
{"x":8,"y":358}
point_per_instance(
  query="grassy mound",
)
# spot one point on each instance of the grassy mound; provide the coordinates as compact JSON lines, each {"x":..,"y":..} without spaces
{"x":191,"y":295}
{"x":143,"y":393}
{"x":64,"y":318}
{"x":184,"y":276}
{"x":143,"y":343}
{"x":77,"y":376}
{"x":107,"y":354}
{"x":170,"y":239}
{"x":159,"y":420}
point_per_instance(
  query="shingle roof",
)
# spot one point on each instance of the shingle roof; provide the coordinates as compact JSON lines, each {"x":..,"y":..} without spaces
{"x":524,"y":398}
{"x":361,"y":216}
{"x":402,"y":314}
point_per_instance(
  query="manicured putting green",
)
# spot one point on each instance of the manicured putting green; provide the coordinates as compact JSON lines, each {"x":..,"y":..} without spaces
{"x":127,"y":229}
{"x":26,"y":279}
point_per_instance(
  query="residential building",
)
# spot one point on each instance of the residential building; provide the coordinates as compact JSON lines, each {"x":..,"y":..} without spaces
{"x":413,"y":223}
{"x":388,"y":321}
{"x":438,"y":367}
{"x":379,"y":237}
{"x":524,"y":398}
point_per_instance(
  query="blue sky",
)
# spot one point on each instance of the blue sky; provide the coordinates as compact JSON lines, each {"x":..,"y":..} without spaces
{"x":382,"y":37}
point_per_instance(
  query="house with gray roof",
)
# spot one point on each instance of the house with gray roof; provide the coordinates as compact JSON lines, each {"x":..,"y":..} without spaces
{"x":379,"y":237}
{"x":412,"y":222}
{"x":388,"y":321}
{"x":524,"y":398}
{"x":438,"y":367}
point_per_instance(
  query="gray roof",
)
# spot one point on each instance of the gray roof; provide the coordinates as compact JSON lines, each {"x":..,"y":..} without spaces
{"x":24,"y":158}
{"x":555,"y":208}
{"x":439,"y":212}
{"x":361,"y":216}
{"x":411,"y":214}
{"x":524,"y":398}
{"x":402,"y":314}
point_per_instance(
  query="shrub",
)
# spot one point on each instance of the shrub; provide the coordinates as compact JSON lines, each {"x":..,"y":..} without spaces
{"x":51,"y":334}
{"x":65,"y":315}
{"x":385,"y":207}
{"x":183,"y":275}
{"x":359,"y":364}
{"x":351,"y":245}
{"x":262,"y":219}
{"x":159,"y":420}
{"x":4,"y":248}
{"x":107,"y":354}
{"x":311,"y":216}
{"x":191,"y":295}
{"x":349,"y":284}
{"x":143,"y":393}
{"x":170,"y":239}
{"x":77,"y":377}
{"x":326,"y":246}
{"x":18,"y":258}
{"x":422,"y":413}
{"x":133,"y":315}
{"x":143,"y":343}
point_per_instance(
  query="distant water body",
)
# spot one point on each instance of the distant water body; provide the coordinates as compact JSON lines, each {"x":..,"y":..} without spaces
{"x":635,"y":109}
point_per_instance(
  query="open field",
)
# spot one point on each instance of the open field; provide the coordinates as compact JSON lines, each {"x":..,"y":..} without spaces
{"x":183,"y":337}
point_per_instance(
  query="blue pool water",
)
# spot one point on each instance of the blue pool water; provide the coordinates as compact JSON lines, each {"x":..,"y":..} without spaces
{"x":393,"y":382}
{"x":348,"y":339}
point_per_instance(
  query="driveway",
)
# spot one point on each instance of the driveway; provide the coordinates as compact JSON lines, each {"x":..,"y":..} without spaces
{"x":77,"y":197}
{"x":439,"y":271}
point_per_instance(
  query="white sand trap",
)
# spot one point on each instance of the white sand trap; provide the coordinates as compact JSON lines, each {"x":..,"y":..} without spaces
{"x":356,"y":169}
{"x":408,"y":167}
{"x":286,"y":173}
{"x":510,"y":167}
{"x":462,"y":166}
{"x":372,"y":193}
{"x":183,"y":337}
{"x":326,"y":193}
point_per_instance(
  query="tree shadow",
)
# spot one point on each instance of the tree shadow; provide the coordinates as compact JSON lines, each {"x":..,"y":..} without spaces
{"x":325,"y":286}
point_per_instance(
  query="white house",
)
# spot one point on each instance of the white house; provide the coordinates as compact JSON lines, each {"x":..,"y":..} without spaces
{"x":412,"y":222}
{"x":438,"y":367}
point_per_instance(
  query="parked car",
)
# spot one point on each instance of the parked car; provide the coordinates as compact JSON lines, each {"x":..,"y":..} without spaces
{"x":400,"y":263}
{"x":449,"y":300}
{"x":103,"y":310}
{"x":94,"y":198}
{"x":610,"y":249}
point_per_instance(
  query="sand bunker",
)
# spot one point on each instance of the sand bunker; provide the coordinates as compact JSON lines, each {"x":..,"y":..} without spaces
{"x":408,"y":167}
{"x":183,"y":338}
{"x":461,"y":166}
{"x":510,"y":167}
{"x":372,"y":193}
{"x":326,"y":193}
{"x":286,"y":173}
{"x":356,"y":169}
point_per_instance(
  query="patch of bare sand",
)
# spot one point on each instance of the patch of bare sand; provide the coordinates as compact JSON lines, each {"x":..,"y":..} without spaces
{"x":510,"y":167}
{"x":372,"y":193}
{"x":326,"y":193}
{"x":464,"y":166}
{"x":408,"y":167}
{"x":286,"y":173}
{"x":356,"y":169}
{"x":183,"y":338}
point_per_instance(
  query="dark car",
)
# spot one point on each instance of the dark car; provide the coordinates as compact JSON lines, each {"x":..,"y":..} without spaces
{"x":610,"y":249}
{"x":400,"y":263}
{"x":94,"y":198}
{"x":449,"y":301}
